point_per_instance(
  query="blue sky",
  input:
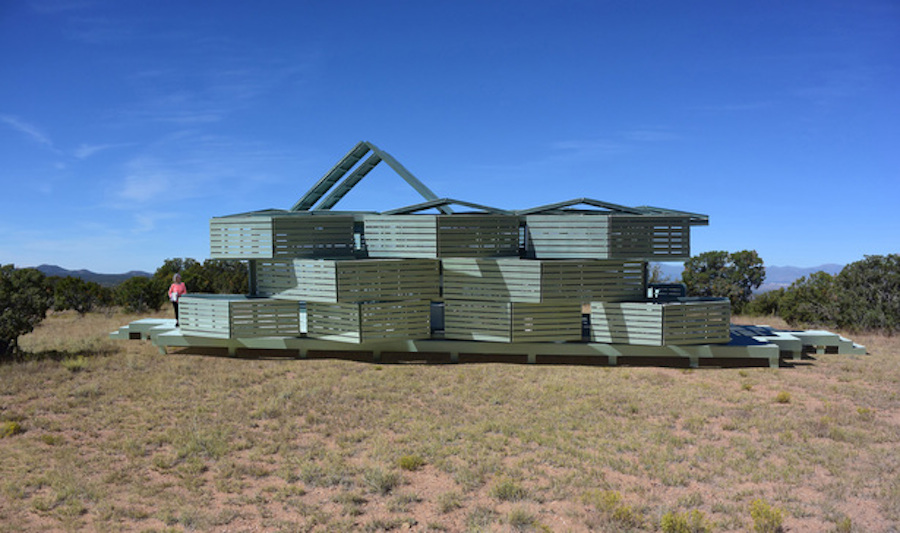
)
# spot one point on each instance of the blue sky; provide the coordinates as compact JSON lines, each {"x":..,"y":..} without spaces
{"x":125,"y":125}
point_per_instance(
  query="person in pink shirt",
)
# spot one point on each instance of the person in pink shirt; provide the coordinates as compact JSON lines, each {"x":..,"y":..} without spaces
{"x":176,"y":291}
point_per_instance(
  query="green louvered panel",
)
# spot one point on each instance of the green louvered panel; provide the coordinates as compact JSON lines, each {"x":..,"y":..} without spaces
{"x":326,"y":236}
{"x":369,"y":321}
{"x":650,"y":237}
{"x":269,"y":237}
{"x":608,"y":236}
{"x":568,"y":236}
{"x":704,"y":321}
{"x":627,"y":323}
{"x":542,"y":281}
{"x":434,"y":236}
{"x":275,"y":277}
{"x":264,"y":317}
{"x":327,"y":280}
{"x":237,"y":316}
{"x":207,"y":315}
{"x":240,"y":238}
{"x":511,"y":321}
{"x":659,"y":324}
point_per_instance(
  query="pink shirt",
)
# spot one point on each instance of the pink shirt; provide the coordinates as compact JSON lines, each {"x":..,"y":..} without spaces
{"x":176,"y":290}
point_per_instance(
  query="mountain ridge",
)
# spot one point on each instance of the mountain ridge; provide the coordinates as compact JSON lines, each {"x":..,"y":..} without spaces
{"x":106,"y":280}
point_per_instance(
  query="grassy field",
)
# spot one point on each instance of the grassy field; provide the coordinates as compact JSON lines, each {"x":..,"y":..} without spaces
{"x":109,"y":435}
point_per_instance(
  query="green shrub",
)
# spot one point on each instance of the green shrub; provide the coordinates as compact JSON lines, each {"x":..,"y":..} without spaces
{"x":24,"y":300}
{"x":765,"y":304}
{"x":766,"y":519}
{"x":411,"y":462}
{"x":613,"y":511}
{"x":508,"y":491}
{"x":733,"y":275}
{"x":10,"y":428}
{"x":783,"y":397}
{"x":692,"y":522}
{"x":381,"y":481}
{"x":74,"y":364}
{"x":449,"y":502}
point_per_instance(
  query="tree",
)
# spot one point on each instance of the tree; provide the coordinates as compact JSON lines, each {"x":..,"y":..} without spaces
{"x":138,"y":294}
{"x":24,"y":301}
{"x":219,"y":276}
{"x":868,"y":294}
{"x":77,"y":294}
{"x":731,"y":275}
{"x":810,"y":300}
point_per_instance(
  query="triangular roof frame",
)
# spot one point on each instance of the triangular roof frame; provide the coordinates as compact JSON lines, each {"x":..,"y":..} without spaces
{"x":445,"y":202}
{"x":333,"y":176}
{"x":696,"y":219}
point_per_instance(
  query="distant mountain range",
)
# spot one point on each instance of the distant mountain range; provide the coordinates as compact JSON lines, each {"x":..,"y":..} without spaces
{"x":776,"y":276}
{"x":106,"y":280}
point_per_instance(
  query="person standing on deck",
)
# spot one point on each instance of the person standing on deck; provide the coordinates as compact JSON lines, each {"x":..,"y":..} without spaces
{"x":176,"y":291}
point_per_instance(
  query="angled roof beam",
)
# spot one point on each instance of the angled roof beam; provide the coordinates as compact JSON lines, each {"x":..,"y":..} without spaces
{"x":441,"y":202}
{"x":588,"y":201}
{"x":696,"y":219}
{"x":349,"y":182}
{"x":328,"y":180}
{"x":408,"y":177}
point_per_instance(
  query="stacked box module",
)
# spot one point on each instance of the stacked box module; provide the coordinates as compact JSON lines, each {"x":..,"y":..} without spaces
{"x":522,"y":300}
{"x":280,"y":235}
{"x":236,"y":316}
{"x":357,"y":300}
{"x":608,"y":236}
{"x":436,"y":236}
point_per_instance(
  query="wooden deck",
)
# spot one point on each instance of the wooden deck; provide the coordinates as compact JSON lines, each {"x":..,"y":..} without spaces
{"x":749,"y":345}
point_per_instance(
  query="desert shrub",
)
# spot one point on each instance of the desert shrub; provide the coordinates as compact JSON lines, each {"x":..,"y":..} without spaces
{"x":449,"y":502}
{"x":520,"y":519}
{"x":865,"y":295}
{"x":10,"y":428}
{"x":139,"y":294}
{"x":411,"y":462}
{"x":868,"y":294}
{"x":732,"y":275}
{"x":508,"y":491}
{"x":614,"y":513}
{"x":766,"y":519}
{"x":74,"y":364}
{"x":79,"y":295}
{"x":381,"y":481}
{"x":765,"y":304}
{"x":783,"y":397}
{"x":221,"y":276}
{"x":24,"y":301}
{"x":810,"y":300}
{"x":689,"y":522}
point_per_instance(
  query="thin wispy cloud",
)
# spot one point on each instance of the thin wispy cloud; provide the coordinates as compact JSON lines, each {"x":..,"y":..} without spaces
{"x":30,"y":131}
{"x":87,"y":150}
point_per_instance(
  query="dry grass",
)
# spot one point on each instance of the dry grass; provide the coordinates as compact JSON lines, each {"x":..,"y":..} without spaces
{"x":134,"y":440}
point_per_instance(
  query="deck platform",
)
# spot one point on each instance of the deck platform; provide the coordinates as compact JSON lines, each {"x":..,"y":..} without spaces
{"x":748,"y":343}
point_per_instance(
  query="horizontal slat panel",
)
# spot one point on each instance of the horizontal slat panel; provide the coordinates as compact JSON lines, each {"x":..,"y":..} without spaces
{"x":268,"y":237}
{"x":361,"y":322}
{"x":657,"y":324}
{"x":432,"y":236}
{"x":237,"y":316}
{"x":511,"y":322}
{"x":608,"y":236}
{"x":542,"y":281}
{"x":325,"y":280}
